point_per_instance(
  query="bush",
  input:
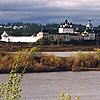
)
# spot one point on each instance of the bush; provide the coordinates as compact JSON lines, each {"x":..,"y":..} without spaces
{"x":24,"y":59}
{"x":65,"y":96}
{"x":5,"y":63}
{"x":98,"y":53}
{"x":85,"y":60}
{"x":11,"y":90}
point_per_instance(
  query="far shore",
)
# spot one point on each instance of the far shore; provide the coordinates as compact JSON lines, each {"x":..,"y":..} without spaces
{"x":13,"y":47}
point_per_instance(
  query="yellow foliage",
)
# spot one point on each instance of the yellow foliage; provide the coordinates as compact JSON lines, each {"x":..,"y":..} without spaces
{"x":64,"y":96}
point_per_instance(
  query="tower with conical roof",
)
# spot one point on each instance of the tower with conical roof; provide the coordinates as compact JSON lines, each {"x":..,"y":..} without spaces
{"x":89,"y":33}
{"x":89,"y":26}
{"x":4,"y":34}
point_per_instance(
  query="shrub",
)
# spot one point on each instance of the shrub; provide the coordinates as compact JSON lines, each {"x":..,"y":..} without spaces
{"x":64,"y":96}
{"x":53,"y":63}
{"x":85,"y":60}
{"x":5,"y":63}
{"x":11,"y":90}
{"x":98,"y":53}
{"x":24,"y":59}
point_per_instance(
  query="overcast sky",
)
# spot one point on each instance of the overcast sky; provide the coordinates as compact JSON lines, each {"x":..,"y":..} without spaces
{"x":49,"y":11}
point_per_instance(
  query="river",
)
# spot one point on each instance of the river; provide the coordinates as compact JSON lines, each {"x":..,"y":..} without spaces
{"x":66,"y":54}
{"x":46,"y":86}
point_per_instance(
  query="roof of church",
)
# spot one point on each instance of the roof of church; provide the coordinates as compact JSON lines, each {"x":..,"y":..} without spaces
{"x":4,"y":34}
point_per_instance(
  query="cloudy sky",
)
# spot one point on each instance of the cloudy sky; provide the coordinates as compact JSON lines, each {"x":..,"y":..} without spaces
{"x":49,"y":11}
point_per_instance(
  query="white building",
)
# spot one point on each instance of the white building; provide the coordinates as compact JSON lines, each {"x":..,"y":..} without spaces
{"x":89,"y":33}
{"x":1,"y":26}
{"x":18,"y":27}
{"x":68,"y":32}
{"x":66,"y":28}
{"x":6,"y":38}
{"x":7,"y":27}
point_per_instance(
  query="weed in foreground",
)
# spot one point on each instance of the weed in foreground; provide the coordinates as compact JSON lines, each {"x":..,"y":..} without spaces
{"x":64,"y":96}
{"x":11,"y":90}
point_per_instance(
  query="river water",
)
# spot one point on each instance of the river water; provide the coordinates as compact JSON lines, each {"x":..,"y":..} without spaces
{"x":65,"y":54}
{"x":46,"y":86}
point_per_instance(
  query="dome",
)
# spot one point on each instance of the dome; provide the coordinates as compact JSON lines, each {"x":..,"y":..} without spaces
{"x":89,"y":25}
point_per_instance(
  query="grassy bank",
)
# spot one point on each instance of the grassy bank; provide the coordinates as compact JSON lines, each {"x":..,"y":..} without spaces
{"x":36,"y":62}
{"x":13,"y":47}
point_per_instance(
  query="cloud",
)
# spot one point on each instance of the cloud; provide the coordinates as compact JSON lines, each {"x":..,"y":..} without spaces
{"x":48,"y":11}
{"x":63,"y":4}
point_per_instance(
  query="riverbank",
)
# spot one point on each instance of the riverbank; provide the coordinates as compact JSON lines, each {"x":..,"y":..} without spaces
{"x":38,"y":62}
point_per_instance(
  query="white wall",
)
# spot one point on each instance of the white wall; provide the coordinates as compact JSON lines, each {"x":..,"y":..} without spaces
{"x":66,"y":30}
{"x":23,"y":38}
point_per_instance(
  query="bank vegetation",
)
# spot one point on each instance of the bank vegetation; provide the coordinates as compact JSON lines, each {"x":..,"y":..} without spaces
{"x":48,"y":63}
